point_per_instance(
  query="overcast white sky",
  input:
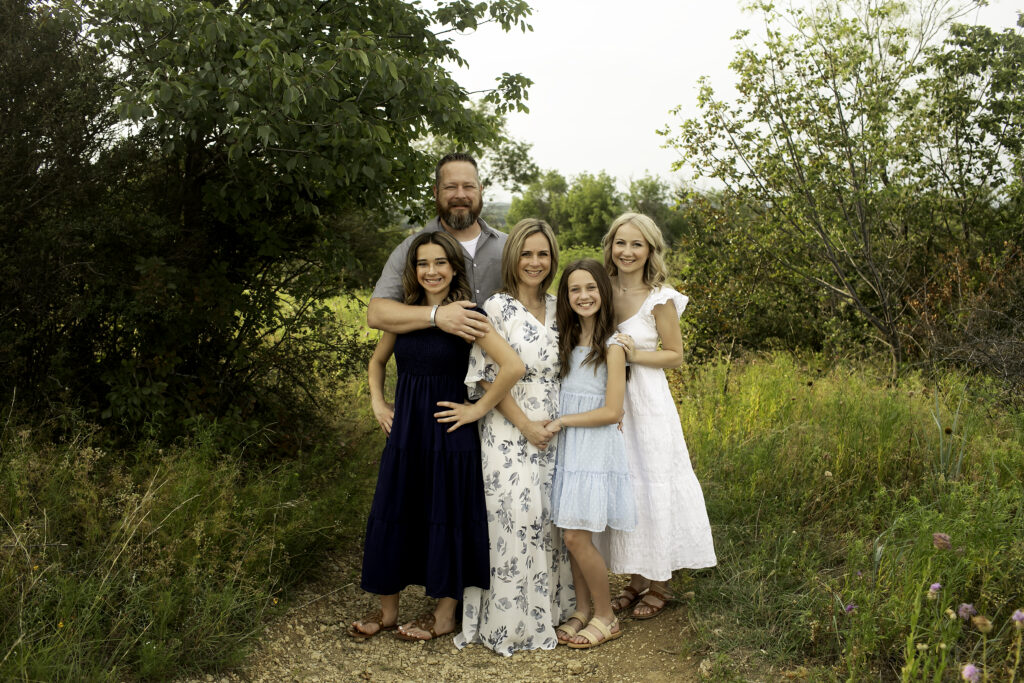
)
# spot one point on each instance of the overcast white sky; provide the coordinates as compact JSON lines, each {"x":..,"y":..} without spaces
{"x":607,"y":72}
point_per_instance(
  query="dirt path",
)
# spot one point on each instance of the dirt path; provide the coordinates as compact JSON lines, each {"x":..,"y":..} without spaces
{"x":308,"y":644}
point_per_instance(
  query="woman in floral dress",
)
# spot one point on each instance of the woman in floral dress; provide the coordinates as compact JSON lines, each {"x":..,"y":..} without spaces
{"x":531,"y":580}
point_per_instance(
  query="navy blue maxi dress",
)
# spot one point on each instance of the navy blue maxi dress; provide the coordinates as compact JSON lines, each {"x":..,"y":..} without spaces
{"x":428,"y":521}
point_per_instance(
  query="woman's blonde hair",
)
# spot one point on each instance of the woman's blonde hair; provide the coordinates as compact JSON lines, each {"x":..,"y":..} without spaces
{"x":655,"y":271}
{"x":514,"y":247}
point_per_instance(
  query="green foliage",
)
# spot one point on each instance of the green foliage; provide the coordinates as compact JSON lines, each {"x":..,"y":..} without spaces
{"x":823,"y":492}
{"x":591,"y":204}
{"x":263,"y":150}
{"x":579,"y":212}
{"x":858,"y":153}
{"x":543,"y":198}
{"x":154,"y":562}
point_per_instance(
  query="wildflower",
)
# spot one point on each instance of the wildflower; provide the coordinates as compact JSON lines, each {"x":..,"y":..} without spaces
{"x":859,"y":573}
{"x":850,"y":607}
{"x":688,"y":595}
{"x":828,"y":475}
{"x":966,"y":610}
{"x":1018,"y":619}
{"x":951,"y":614}
{"x":942,"y":541}
{"x":970,"y":673}
{"x":982,"y":624}
{"x":933,"y":590}
{"x":60,"y":624}
{"x":35,"y":567}
{"x":921,"y":647}
{"x":275,"y":601}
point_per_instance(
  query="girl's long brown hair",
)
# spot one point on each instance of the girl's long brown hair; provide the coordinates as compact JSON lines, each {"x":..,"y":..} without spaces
{"x":569,"y":326}
{"x":458,"y":290}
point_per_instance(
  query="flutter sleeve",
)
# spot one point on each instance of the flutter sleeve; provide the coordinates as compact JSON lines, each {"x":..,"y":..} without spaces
{"x":481,"y":367}
{"x":664,"y":295}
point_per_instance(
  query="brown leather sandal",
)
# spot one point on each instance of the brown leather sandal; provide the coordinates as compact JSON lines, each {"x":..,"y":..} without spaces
{"x":371,"y":618}
{"x":655,"y":609}
{"x":628,"y":593}
{"x":425,"y":622}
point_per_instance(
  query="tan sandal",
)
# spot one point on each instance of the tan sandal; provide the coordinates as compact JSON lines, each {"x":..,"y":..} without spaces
{"x":371,"y":618}
{"x":631,"y":595}
{"x":594,"y":641}
{"x":655,"y":609}
{"x":570,"y":630}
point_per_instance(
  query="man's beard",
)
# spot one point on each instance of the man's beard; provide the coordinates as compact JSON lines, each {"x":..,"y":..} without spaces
{"x":458,"y":220}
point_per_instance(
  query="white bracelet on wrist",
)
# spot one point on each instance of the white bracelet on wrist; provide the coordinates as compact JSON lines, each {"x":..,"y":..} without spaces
{"x":433,"y":315}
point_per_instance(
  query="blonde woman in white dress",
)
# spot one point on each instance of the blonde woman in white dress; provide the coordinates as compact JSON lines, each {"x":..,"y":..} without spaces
{"x":672,"y":530}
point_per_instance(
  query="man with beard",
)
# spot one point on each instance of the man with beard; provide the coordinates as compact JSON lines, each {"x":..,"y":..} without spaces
{"x":459,"y":200}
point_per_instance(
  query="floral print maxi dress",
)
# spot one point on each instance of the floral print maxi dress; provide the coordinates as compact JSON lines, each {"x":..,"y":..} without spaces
{"x":531,"y":582}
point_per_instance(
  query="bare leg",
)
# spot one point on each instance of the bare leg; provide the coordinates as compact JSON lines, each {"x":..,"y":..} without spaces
{"x":582,"y":602}
{"x":594,"y":573}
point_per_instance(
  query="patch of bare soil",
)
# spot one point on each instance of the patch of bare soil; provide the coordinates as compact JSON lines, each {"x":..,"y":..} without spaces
{"x":309,"y":644}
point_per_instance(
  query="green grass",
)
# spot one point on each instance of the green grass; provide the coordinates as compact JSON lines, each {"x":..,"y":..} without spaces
{"x":149,"y":563}
{"x":824,"y":490}
{"x":824,"y":487}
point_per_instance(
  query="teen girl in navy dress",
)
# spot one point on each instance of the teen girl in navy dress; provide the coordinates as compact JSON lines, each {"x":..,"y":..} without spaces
{"x":428,"y":523}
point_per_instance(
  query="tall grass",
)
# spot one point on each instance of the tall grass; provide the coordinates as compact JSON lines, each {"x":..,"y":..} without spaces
{"x":151,"y":562}
{"x":825,"y":490}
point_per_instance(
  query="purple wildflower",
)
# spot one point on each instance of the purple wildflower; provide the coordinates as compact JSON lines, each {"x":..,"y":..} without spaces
{"x":966,"y":610}
{"x":970,"y":673}
{"x":849,"y":608}
{"x":1018,"y":619}
{"x":935,"y":587}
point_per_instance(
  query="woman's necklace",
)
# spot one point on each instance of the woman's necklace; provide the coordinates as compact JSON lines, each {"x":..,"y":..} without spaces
{"x":637,"y":288}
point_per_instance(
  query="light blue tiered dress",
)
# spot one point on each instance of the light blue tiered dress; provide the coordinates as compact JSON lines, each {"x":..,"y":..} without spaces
{"x":592,"y":489}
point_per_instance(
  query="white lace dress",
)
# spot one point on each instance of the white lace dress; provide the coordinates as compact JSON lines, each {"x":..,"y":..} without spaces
{"x":531,"y":588}
{"x":672,"y":529}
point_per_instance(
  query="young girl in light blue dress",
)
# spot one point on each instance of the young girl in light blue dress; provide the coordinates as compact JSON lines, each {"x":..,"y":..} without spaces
{"x":592,"y":490}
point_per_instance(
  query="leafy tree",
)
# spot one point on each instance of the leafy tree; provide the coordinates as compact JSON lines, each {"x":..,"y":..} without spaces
{"x":53,"y":123}
{"x":591,"y":204}
{"x":263,"y":142}
{"x":652,"y":196}
{"x":543,"y":198}
{"x":824,"y":143}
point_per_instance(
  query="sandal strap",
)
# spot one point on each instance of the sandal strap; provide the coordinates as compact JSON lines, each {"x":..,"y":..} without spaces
{"x":570,"y":630}
{"x":605,"y":631}
{"x":628,"y":593}
{"x":658,"y":594}
{"x":425,"y":622}
{"x":373,"y":617}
